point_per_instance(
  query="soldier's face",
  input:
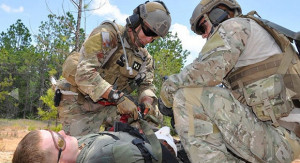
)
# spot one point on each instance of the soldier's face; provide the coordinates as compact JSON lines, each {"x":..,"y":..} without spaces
{"x":205,"y":28}
{"x":145,"y":34}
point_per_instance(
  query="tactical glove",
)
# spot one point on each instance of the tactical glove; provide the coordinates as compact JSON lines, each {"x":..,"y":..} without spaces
{"x":164,"y":110}
{"x":148,"y":109}
{"x":148,"y":113}
{"x":167,"y":92}
{"x":127,"y":106}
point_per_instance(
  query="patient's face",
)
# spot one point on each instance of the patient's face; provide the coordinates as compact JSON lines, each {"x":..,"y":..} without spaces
{"x":71,"y":150}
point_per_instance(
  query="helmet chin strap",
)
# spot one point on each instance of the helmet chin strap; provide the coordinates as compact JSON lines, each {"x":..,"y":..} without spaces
{"x":137,"y":40}
{"x":212,"y":29}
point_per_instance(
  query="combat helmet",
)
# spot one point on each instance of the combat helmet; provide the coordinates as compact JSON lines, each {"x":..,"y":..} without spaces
{"x":205,"y":6}
{"x":155,"y":14}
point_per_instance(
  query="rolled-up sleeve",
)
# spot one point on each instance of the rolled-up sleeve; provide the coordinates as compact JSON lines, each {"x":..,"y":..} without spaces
{"x":87,"y":76}
{"x":217,"y":58}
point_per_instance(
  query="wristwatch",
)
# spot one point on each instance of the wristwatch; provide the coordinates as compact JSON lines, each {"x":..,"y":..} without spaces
{"x":113,"y":96}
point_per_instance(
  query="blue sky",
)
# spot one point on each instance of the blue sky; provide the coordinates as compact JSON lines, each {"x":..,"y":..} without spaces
{"x":32,"y":12}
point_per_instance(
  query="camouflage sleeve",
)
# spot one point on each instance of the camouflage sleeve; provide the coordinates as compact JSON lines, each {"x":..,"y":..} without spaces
{"x":147,"y":87}
{"x":217,"y":58}
{"x":93,"y":53}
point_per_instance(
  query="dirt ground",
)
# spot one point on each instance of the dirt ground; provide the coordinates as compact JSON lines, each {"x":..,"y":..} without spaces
{"x":11,"y":133}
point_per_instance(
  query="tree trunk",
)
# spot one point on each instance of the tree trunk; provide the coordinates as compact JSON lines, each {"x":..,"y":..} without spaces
{"x":43,"y":70}
{"x":27,"y":94}
{"x":77,"y":32}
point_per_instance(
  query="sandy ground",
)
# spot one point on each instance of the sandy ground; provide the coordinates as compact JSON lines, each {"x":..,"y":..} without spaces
{"x":6,"y":157}
{"x":11,"y":133}
{"x":9,"y":140}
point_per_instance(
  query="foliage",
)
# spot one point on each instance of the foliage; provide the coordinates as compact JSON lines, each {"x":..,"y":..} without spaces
{"x":31,"y":128}
{"x":55,"y":40}
{"x":7,"y":82}
{"x":16,"y":64}
{"x":17,"y":37}
{"x":56,"y":128}
{"x":50,"y":114}
{"x":169,"y":57}
{"x":27,"y":66}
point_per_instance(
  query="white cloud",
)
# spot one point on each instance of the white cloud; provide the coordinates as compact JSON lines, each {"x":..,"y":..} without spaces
{"x":9,"y":9}
{"x":190,"y":41}
{"x":110,"y":12}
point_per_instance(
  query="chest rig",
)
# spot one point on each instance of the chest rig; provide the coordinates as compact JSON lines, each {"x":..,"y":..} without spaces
{"x":263,"y":85}
{"x":124,"y":67}
{"x":126,"y":144}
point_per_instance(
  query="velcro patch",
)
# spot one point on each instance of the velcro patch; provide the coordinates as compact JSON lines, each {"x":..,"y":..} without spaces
{"x":105,"y":39}
{"x":136,"y":66}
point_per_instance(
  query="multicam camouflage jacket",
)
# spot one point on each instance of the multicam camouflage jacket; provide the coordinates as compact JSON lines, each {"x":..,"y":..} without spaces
{"x":236,"y":43}
{"x":98,"y":70}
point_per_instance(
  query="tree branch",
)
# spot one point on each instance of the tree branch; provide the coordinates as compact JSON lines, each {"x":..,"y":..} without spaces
{"x":76,"y":5}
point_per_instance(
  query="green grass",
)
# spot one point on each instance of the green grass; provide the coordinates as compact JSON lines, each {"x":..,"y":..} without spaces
{"x":19,"y":124}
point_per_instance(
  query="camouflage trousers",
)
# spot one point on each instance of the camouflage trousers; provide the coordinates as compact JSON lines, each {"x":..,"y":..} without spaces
{"x":81,"y":119}
{"x":213,"y":127}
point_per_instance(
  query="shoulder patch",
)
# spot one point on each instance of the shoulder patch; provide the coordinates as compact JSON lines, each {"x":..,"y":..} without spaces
{"x":105,"y":39}
{"x":136,"y":66}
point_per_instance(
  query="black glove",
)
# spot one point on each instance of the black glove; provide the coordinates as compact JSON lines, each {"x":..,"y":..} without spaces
{"x":164,"y":110}
{"x":57,"y":97}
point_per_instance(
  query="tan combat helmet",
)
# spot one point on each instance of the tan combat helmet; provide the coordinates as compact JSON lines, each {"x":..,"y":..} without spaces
{"x":155,"y":14}
{"x":205,"y":6}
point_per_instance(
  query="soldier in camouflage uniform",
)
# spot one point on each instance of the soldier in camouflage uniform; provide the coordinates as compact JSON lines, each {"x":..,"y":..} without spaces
{"x":243,"y":121}
{"x":111,"y":64}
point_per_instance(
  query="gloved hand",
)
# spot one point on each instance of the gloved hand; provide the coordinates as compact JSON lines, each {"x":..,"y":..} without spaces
{"x":167,"y":92}
{"x":127,"y":106}
{"x":150,"y":114}
{"x":149,"y":109}
{"x":164,"y":110}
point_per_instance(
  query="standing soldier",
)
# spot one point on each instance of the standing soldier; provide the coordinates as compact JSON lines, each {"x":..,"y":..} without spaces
{"x":259,"y":67}
{"x":111,"y":64}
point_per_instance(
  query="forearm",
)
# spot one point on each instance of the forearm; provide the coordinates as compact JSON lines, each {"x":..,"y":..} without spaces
{"x":147,"y":99}
{"x":90,"y":82}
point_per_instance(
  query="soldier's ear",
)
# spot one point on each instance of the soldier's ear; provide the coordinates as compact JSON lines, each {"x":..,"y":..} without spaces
{"x":133,"y":21}
{"x":217,"y":15}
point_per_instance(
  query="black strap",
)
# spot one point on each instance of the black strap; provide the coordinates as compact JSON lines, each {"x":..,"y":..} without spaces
{"x":113,"y":136}
{"x":59,"y":153}
{"x":125,"y":127}
{"x":298,"y":46}
{"x":144,"y":151}
{"x":181,"y":154}
{"x":167,"y":156}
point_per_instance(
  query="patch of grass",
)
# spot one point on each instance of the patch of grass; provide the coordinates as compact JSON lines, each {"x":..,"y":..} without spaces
{"x":31,"y":128}
{"x":26,"y":124}
{"x":57,"y":128}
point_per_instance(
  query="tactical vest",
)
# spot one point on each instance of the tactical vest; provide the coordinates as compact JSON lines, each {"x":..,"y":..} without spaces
{"x":125,"y":145}
{"x":113,"y":69}
{"x":263,"y":85}
{"x":110,"y":147}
